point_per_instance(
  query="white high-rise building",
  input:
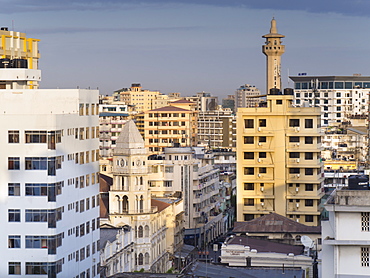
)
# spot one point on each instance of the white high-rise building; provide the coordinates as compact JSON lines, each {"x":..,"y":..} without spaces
{"x":49,"y":175}
{"x":341,"y":98}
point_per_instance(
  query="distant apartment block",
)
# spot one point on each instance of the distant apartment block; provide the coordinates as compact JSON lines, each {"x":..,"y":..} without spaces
{"x":341,"y":98}
{"x":247,"y":96}
{"x":216,"y":128}
{"x":169,"y":125}
{"x":141,"y":99}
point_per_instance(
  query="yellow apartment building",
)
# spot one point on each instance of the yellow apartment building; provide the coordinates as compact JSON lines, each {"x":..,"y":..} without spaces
{"x":278,"y":161}
{"x":166,"y":126}
{"x":138,"y":97}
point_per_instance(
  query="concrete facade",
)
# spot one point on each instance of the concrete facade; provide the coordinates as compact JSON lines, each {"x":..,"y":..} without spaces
{"x":278,"y":161}
{"x":346,"y":235}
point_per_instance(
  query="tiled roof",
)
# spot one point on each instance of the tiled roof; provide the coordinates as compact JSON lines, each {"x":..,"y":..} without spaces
{"x":168,"y":109}
{"x":262,"y":245}
{"x":161,"y":205}
{"x":183,"y":101}
{"x":274,"y":223}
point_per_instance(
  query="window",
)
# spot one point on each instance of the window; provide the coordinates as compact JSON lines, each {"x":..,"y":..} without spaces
{"x":279,"y":101}
{"x":14,"y":268}
{"x":262,"y":122}
{"x":14,"y":241}
{"x":262,"y":170}
{"x":249,"y":123}
{"x":13,"y":136}
{"x":308,"y":203}
{"x":167,"y":184}
{"x":262,"y":155}
{"x":294,"y":155}
{"x":87,"y":227}
{"x":248,"y":202}
{"x":365,"y":261}
{"x":168,"y":169}
{"x":36,"y":136}
{"x":82,"y":205}
{"x":248,"y":171}
{"x":308,"y":123}
{"x":308,"y":218}
{"x":308,"y":140}
{"x":309,"y":187}
{"x":308,"y":156}
{"x":248,"y":186}
{"x":262,"y":139}
{"x":294,"y":139}
{"x":14,"y":189}
{"x":293,"y":122}
{"x":248,"y":140}
{"x":13,"y":163}
{"x":248,"y":155}
{"x":36,"y":163}
{"x":308,"y":171}
{"x":14,"y":215}
{"x":82,"y":229}
{"x":294,"y":170}
{"x":365,"y":221}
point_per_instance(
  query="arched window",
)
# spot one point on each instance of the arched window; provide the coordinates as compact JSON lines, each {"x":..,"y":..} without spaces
{"x":135,"y":259}
{"x":141,"y":180}
{"x":118,"y":204}
{"x":146,"y":230}
{"x":141,"y":259}
{"x":146,"y":261}
{"x":141,"y":203}
{"x":140,"y":232}
{"x":125,"y":204}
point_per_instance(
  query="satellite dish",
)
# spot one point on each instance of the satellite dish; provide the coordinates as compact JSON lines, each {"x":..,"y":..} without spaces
{"x":307,"y":241}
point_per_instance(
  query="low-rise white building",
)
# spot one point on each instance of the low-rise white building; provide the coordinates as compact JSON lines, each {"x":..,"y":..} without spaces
{"x":346,"y":235}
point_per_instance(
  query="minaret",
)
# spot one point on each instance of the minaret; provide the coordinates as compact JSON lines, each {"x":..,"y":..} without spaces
{"x":273,"y":49}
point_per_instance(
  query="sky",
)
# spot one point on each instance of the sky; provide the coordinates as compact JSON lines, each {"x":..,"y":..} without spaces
{"x":188,"y":46}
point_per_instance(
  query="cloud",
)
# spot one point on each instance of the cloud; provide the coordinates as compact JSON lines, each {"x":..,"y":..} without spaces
{"x":345,"y":7}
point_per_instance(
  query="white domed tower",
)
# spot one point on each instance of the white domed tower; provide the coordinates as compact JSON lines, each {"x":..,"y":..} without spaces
{"x":130,"y":193}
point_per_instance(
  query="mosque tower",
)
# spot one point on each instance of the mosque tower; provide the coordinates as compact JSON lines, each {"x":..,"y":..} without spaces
{"x":273,"y":49}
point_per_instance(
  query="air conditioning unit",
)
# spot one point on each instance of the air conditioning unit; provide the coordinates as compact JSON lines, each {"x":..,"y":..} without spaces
{"x":298,"y":175}
{"x":297,"y":160}
{"x":259,"y":129}
{"x":259,"y":160}
{"x":259,"y":175}
{"x":297,"y":205}
{"x":259,"y":144}
{"x":296,"y":129}
{"x":297,"y":219}
{"x":297,"y":144}
{"x":262,"y":204}
{"x":262,"y":188}
{"x":297,"y":189}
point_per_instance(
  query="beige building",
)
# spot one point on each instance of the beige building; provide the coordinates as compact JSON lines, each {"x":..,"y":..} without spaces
{"x":278,"y":161}
{"x":169,"y":125}
{"x":138,"y":97}
{"x":156,"y":224}
{"x":247,"y":96}
{"x":191,"y":174}
{"x":215,"y":128}
{"x":273,"y":49}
